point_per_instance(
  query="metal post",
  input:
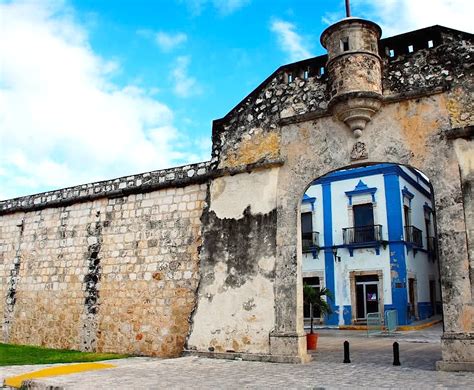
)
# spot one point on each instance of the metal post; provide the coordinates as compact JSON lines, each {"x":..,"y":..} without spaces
{"x":346,"y":352}
{"x":348,"y":9}
{"x":396,"y":354}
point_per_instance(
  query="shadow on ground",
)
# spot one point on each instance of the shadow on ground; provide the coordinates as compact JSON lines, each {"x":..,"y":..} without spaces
{"x":418,"y":349}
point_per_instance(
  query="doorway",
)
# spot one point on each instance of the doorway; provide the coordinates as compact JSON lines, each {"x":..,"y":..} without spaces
{"x":367,"y":295}
{"x":413,"y":310}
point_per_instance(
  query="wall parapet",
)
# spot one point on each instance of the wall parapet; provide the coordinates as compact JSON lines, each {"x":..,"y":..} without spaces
{"x":143,"y":182}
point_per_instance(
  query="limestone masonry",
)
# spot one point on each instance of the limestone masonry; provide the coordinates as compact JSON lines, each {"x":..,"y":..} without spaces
{"x":112,"y":274}
{"x":206,"y":258}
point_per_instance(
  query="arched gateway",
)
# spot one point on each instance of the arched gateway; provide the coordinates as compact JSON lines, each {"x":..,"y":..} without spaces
{"x":208,"y":257}
{"x":402,"y":100}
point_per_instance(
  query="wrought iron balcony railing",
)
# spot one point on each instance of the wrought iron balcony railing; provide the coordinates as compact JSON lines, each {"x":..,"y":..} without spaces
{"x":310,"y":241}
{"x":362,"y":234}
{"x":413,"y":236}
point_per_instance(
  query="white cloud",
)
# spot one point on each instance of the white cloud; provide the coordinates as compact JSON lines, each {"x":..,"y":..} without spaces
{"x":62,"y":120}
{"x":227,"y":7}
{"x":168,"y":42}
{"x":224,"y":7}
{"x":397,"y":16}
{"x":290,"y":41}
{"x":184,"y":85}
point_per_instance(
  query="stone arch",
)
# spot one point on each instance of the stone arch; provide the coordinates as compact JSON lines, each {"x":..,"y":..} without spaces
{"x":312,"y":149}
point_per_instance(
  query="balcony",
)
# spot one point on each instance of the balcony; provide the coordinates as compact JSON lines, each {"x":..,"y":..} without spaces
{"x":310,"y":241}
{"x":413,"y":236}
{"x":362,"y":235}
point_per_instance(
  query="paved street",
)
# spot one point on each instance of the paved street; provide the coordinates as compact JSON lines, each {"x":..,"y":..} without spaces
{"x":371,"y":367}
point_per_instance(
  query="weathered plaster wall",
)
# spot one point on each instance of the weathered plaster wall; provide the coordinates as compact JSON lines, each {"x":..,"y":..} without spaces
{"x":465,"y":152}
{"x":115,"y":274}
{"x":235,"y":310}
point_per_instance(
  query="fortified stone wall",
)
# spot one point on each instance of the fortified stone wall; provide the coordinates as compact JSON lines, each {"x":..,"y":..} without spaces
{"x":113,"y":274}
{"x":212,"y":251}
{"x":251,"y":132}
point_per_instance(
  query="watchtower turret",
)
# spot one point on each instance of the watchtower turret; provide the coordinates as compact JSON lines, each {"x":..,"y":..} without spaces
{"x":354,"y":70}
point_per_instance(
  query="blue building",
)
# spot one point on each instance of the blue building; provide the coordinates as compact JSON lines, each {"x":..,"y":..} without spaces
{"x":368,"y":235}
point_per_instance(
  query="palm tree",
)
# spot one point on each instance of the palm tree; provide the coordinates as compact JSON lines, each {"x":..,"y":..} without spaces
{"x":314,"y":298}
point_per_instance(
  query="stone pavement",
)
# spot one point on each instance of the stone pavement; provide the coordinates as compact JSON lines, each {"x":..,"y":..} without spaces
{"x":371,"y":367}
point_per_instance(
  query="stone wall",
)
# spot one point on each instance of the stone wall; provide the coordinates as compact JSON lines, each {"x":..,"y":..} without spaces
{"x":114,"y":274}
{"x":443,"y":66}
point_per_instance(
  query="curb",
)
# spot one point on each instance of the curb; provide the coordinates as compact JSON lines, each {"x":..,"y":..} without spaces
{"x":402,"y":328}
{"x":418,"y":327}
{"x":18,"y":380}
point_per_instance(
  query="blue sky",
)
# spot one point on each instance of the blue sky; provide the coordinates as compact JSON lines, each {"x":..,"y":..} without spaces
{"x":91,"y":90}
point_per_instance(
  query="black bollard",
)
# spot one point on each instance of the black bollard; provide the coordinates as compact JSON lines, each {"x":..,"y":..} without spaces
{"x":346,"y":352}
{"x":396,"y":354}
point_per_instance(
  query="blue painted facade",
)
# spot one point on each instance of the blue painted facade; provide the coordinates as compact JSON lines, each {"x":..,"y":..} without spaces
{"x":328,"y":255}
{"x":361,"y":188}
{"x":425,"y":310}
{"x":396,"y":246}
{"x":352,"y":261}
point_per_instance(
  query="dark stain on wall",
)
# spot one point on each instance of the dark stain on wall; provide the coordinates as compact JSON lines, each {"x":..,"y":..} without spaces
{"x":11,"y":293}
{"x":91,"y":284}
{"x":12,"y":285}
{"x":91,"y":279}
{"x":239,"y":243}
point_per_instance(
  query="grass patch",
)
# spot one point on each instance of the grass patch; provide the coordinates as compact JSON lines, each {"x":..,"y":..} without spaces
{"x":11,"y":355}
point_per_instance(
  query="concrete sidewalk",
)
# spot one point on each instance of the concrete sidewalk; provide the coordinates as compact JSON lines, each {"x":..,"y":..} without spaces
{"x":202,"y":373}
{"x":371,"y":367}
